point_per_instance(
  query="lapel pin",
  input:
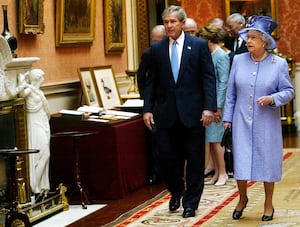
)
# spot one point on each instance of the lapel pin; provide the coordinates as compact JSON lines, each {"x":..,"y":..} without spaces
{"x":189,"y":47}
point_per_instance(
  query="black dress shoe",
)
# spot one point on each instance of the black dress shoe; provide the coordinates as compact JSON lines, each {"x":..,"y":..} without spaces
{"x":153,"y":179}
{"x":188,"y":212}
{"x":237,"y":214}
{"x":268,"y":218}
{"x":174,"y":203}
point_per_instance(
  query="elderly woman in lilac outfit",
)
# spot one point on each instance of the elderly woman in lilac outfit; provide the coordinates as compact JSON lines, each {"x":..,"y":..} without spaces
{"x":259,"y":84}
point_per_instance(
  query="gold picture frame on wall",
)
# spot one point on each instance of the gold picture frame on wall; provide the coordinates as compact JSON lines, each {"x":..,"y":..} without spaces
{"x":75,"y":22}
{"x":88,"y":87}
{"x":31,"y":16}
{"x":114,"y":19}
{"x":173,"y":2}
{"x":250,"y":8}
{"x":106,"y":85}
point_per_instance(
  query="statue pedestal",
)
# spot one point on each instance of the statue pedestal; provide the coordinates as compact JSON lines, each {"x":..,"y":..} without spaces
{"x":12,"y":69}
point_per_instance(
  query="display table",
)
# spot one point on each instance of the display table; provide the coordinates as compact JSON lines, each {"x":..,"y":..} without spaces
{"x":112,"y":162}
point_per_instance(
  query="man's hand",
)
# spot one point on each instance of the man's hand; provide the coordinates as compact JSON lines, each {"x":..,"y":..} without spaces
{"x":148,"y":120}
{"x":207,"y":117}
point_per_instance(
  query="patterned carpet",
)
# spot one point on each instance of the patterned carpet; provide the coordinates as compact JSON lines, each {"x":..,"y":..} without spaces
{"x":218,"y":202}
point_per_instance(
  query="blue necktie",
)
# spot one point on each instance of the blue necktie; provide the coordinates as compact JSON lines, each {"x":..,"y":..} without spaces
{"x":174,"y":61}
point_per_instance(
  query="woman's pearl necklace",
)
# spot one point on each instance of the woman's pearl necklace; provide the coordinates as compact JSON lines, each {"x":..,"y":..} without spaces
{"x":260,"y":58}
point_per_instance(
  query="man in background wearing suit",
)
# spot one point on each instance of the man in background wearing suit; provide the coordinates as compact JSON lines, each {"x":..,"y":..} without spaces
{"x":158,"y":33}
{"x":179,"y":101}
{"x":234,"y":23}
{"x":190,"y":26}
{"x":153,"y":176}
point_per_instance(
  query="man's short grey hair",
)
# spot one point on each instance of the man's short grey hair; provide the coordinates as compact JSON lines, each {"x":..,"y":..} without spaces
{"x":181,"y":15}
{"x":218,"y":22}
{"x":237,"y":18}
{"x":159,"y":29}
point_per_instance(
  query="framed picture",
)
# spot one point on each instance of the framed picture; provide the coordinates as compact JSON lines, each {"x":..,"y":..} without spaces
{"x":88,"y":87}
{"x":106,"y":86}
{"x":114,"y":19}
{"x":173,"y":2}
{"x":250,"y":8}
{"x":75,"y":22}
{"x":31,"y":16}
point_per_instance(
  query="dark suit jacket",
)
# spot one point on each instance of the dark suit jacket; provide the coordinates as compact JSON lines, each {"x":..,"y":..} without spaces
{"x":194,"y":91}
{"x":230,"y":45}
{"x":143,"y":71}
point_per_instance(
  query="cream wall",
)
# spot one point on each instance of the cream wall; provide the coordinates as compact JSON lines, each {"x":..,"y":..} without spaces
{"x":60,"y":64}
{"x":62,"y":86}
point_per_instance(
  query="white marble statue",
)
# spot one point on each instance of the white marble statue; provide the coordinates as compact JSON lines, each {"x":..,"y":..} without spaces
{"x":38,"y":128}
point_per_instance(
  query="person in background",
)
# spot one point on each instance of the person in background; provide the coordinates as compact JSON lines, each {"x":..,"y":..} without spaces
{"x":235,"y":23}
{"x":219,"y":23}
{"x":190,"y":26}
{"x":215,"y":131}
{"x":158,"y":33}
{"x":259,"y":83}
{"x":179,"y":102}
{"x":153,"y":177}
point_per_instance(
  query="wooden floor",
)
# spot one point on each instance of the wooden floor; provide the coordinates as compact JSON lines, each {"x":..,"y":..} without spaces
{"x":117,"y":207}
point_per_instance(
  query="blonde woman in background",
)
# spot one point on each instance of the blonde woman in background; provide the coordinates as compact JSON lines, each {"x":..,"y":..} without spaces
{"x":215,"y":131}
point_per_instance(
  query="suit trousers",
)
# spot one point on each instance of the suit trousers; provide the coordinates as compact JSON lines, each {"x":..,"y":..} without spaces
{"x":175,"y":145}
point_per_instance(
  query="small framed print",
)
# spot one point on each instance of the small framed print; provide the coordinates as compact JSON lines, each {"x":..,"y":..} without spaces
{"x":114,"y":18}
{"x":88,"y":87}
{"x":31,"y":16}
{"x":106,"y":86}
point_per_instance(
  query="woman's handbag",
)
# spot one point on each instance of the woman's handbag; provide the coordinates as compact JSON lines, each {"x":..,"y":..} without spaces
{"x":227,"y":143}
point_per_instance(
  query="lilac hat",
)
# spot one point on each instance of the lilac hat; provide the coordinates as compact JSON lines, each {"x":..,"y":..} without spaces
{"x":264,"y":24}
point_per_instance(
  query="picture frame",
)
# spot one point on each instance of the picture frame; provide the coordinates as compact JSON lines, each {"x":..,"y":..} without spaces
{"x":105,"y":83}
{"x":31,"y":17}
{"x":114,"y":20}
{"x":74,"y":25}
{"x":249,"y":8}
{"x":88,"y":87}
{"x":173,"y":2}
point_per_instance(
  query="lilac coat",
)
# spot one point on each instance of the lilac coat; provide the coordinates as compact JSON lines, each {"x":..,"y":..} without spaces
{"x":257,"y":133}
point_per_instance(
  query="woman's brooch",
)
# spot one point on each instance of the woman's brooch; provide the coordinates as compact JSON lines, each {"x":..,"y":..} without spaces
{"x":273,"y":61}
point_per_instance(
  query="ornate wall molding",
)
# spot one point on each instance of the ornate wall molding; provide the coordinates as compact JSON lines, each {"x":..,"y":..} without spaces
{"x":131,"y":33}
{"x":142,"y":26}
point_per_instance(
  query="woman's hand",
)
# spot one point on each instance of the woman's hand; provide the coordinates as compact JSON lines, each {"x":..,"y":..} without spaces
{"x":218,"y":115}
{"x":227,"y":125}
{"x":265,"y":100}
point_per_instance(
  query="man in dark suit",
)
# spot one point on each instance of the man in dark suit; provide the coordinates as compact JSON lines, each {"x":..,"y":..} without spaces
{"x":234,"y":23}
{"x":179,"y":101}
{"x":153,"y":176}
{"x":158,"y":33}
